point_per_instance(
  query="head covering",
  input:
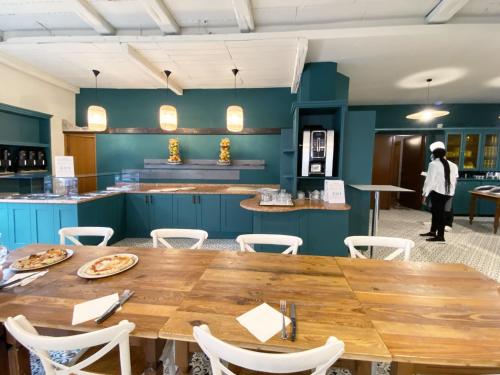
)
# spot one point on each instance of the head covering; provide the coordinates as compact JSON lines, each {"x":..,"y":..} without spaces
{"x":436,"y":145}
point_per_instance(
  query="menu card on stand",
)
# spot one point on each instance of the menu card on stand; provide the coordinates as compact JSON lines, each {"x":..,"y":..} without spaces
{"x":64,"y":166}
{"x":334,"y":191}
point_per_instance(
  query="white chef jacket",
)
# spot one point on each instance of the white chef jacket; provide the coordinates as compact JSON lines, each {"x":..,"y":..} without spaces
{"x":435,"y":178}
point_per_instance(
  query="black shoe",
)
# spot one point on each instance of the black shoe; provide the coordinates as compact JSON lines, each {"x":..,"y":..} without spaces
{"x":435,"y":239}
{"x":428,"y":234}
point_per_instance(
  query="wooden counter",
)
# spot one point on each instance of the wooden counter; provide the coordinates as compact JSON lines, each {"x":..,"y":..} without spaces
{"x":167,"y":188}
{"x":252,"y":204}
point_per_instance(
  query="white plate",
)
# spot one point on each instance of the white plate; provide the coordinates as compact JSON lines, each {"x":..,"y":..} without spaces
{"x":69,"y":255}
{"x":81,"y":271}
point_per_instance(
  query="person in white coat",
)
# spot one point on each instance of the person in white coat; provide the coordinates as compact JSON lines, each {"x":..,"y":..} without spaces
{"x":439,"y":188}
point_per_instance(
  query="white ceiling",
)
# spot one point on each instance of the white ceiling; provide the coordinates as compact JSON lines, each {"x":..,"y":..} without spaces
{"x":386,"y":47}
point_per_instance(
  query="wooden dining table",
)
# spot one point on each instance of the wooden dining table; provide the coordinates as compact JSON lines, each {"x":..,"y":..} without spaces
{"x":474,"y":196}
{"x":414,"y":314}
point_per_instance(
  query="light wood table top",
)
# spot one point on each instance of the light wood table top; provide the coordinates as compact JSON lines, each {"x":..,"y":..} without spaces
{"x":252,"y":204}
{"x":236,"y":282}
{"x":439,"y":314}
{"x":161,"y":279}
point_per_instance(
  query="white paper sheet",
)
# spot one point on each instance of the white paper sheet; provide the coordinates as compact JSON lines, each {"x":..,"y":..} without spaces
{"x":262,"y":321}
{"x":92,"y":309}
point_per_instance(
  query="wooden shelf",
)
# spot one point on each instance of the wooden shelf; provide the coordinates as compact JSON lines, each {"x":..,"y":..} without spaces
{"x":24,"y":144}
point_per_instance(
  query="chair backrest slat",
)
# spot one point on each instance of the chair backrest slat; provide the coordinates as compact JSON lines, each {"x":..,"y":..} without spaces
{"x":24,"y":332}
{"x":317,"y":359}
{"x":403,"y":246}
{"x":159,"y":236}
{"x":246,"y":242}
{"x":71,"y":233}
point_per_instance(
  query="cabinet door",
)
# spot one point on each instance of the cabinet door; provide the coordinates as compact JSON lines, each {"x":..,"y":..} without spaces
{"x":490,"y":152}
{"x":235,"y":219}
{"x":471,"y":151}
{"x":19,"y":225}
{"x":184,"y":211}
{"x":43,"y":229}
{"x":137,"y":211}
{"x":209,"y":213}
{"x":161,"y":211}
{"x":65,"y":215}
{"x":453,"y":147}
{"x":4,"y":226}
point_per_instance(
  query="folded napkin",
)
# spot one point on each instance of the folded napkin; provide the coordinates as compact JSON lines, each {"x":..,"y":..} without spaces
{"x":93,"y":309}
{"x":25,"y":278}
{"x":262,"y":321}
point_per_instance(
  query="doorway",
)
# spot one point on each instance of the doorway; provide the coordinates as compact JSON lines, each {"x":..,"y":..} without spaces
{"x":398,"y":160}
{"x":82,"y":148}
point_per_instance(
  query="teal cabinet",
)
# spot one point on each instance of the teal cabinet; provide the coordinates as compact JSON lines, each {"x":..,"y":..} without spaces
{"x":208,"y":213}
{"x":234,"y":219}
{"x":490,"y":151}
{"x":160,"y":211}
{"x":19,"y":217}
{"x":185,"y":211}
{"x":43,"y":229}
{"x":197,"y":211}
{"x":4,"y":226}
{"x":137,"y":211}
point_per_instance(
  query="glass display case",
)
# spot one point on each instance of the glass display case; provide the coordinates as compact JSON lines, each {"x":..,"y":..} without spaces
{"x":471,"y":151}
{"x":454,"y":143}
{"x":490,"y":152}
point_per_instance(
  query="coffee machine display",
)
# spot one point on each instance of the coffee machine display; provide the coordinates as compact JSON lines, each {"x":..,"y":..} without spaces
{"x":317,"y":152}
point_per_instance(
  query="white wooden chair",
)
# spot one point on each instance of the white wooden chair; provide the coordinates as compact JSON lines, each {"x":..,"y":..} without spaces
{"x":116,"y":336}
{"x":402,"y":246}
{"x":319,"y":360}
{"x":247,"y":241}
{"x":159,"y":236}
{"x":72,"y":232}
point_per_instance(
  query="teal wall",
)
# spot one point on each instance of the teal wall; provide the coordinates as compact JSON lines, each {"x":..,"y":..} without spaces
{"x":461,"y":115}
{"x":263,"y":108}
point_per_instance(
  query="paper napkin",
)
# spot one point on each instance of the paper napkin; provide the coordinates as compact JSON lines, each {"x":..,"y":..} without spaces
{"x":262,"y":321}
{"x":93,"y":309}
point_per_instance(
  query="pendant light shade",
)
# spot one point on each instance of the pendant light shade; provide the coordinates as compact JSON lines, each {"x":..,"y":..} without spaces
{"x":168,"y":117}
{"x":234,"y":118}
{"x":429,"y":113}
{"x":97,"y":119}
{"x":168,"y":113}
{"x":234,"y":114}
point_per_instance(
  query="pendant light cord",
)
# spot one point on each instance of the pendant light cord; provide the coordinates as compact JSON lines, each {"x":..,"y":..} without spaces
{"x":429,"y":80}
{"x":235,"y":72}
{"x":96,"y":73}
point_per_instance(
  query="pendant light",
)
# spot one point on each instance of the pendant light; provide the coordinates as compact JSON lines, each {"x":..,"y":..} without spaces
{"x":96,"y":115}
{"x":168,"y":113}
{"x":429,"y":113}
{"x":234,"y":116}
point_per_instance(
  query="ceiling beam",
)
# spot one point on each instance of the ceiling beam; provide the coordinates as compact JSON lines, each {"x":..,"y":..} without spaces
{"x":445,"y":10}
{"x":30,"y":70}
{"x":159,"y":12}
{"x":90,"y":15}
{"x":300,"y":60}
{"x":148,"y":68}
{"x":244,"y":15}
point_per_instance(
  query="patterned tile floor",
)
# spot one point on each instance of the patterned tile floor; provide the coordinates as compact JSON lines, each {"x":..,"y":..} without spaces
{"x":474,"y":245}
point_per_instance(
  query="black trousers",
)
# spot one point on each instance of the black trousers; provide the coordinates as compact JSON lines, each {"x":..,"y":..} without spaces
{"x":438,"y":202}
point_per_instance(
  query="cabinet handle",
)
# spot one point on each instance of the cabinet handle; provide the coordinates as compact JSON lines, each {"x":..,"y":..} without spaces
{"x":199,"y":199}
{"x":194,"y":199}
{"x":146,"y":199}
{"x":150,"y":199}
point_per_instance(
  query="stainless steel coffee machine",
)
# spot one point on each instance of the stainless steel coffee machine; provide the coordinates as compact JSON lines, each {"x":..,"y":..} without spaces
{"x":5,"y":161}
{"x":317,"y":152}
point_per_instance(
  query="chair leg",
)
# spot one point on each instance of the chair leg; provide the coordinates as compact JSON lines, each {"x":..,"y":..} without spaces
{"x":399,"y":368}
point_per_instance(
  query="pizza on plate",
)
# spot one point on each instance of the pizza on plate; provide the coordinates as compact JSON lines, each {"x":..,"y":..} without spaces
{"x":41,"y":259}
{"x":109,"y":264}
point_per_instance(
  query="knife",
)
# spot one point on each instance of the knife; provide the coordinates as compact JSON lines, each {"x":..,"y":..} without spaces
{"x":123,"y":298}
{"x":293,"y":319}
{"x":7,"y":283}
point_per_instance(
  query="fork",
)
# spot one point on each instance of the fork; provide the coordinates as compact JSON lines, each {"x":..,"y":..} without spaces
{"x":284,"y":334}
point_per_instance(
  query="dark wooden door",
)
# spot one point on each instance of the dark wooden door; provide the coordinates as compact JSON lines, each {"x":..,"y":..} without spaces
{"x":411,"y":166}
{"x":82,"y":148}
{"x":382,"y":166}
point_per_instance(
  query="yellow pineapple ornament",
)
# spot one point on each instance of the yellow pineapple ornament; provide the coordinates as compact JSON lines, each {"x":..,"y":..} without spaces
{"x":224,"y":154}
